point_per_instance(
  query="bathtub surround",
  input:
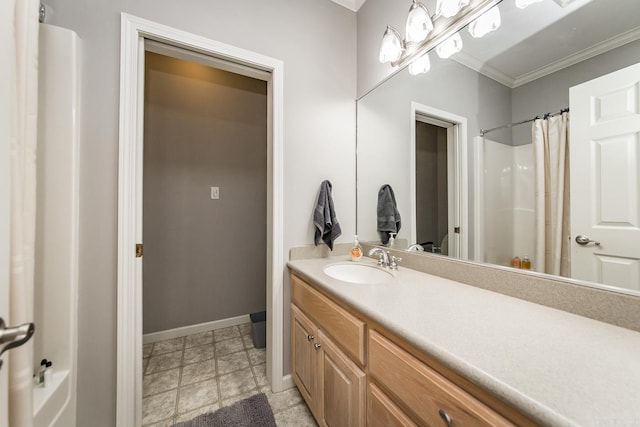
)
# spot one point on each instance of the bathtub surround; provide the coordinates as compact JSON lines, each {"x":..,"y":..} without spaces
{"x":57,"y":225}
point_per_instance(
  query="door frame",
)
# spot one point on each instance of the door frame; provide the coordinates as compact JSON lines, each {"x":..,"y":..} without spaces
{"x":456,"y":172}
{"x":134,"y":31}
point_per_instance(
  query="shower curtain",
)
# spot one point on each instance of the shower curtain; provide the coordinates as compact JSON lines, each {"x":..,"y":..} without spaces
{"x":19,"y":90}
{"x":550,"y":138}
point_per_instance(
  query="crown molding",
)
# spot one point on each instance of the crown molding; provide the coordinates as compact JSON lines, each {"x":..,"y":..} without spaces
{"x":484,"y":69}
{"x":580,"y":56}
{"x":514,"y":82}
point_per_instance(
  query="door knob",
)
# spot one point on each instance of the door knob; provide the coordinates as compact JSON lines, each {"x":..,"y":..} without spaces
{"x":585,"y":240}
{"x":14,"y":337}
{"x":317,"y":346}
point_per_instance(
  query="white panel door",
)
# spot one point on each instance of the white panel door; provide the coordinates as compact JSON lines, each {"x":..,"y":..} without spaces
{"x":605,"y":180}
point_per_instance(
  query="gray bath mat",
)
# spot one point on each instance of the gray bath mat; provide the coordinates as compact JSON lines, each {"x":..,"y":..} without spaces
{"x":253,"y":411}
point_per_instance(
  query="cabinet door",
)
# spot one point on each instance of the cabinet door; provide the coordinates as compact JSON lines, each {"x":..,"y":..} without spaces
{"x":343,"y":384}
{"x":303,"y":357}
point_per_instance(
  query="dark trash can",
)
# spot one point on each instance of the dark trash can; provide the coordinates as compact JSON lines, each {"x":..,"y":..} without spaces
{"x":259,"y":329}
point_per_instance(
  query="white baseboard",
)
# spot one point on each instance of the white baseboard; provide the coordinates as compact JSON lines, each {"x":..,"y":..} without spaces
{"x":287,"y":382}
{"x":195,"y":329}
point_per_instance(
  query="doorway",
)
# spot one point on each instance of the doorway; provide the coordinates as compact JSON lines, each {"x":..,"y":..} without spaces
{"x":204,"y":196}
{"x":432,"y":191}
{"x":438,"y":168}
{"x":136,"y":33}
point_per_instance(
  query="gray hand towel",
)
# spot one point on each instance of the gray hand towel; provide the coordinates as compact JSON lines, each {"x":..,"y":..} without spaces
{"x":388,"y":215}
{"x":326,"y":224}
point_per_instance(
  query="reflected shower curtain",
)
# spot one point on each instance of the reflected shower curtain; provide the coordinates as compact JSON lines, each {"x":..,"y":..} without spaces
{"x":19,"y":76}
{"x":550,"y":138}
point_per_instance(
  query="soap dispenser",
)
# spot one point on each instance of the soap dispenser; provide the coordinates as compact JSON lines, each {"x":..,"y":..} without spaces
{"x":392,"y":239}
{"x":356,"y":250}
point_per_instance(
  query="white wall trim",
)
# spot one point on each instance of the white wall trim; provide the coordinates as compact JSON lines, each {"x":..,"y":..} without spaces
{"x":460,"y":214}
{"x":478,"y":202}
{"x":134,"y":31}
{"x":287,"y":382}
{"x":514,"y":82}
{"x":194,"y":329}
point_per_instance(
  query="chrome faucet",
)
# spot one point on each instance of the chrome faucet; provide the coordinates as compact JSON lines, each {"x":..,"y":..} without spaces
{"x":384,"y":260}
{"x":383,"y":256}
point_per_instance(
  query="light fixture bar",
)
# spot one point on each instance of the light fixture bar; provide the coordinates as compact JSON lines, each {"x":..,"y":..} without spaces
{"x":445,"y":28}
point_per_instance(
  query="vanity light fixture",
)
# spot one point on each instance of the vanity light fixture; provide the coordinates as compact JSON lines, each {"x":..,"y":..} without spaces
{"x":521,"y":4}
{"x":419,"y":23}
{"x":450,"y":46}
{"x":392,"y":47}
{"x":420,"y":65}
{"x":449,"y":8}
{"x":489,"y":21}
{"x":426,"y":32}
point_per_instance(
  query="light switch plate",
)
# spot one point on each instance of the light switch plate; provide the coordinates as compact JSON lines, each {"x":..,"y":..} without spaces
{"x":215,"y":193}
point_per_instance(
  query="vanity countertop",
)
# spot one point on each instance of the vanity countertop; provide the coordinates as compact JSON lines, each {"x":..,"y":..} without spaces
{"x":558,"y":368}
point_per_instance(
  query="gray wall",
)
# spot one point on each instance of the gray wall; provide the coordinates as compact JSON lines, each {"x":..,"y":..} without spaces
{"x":373,"y":18}
{"x":204,"y":259}
{"x":315,"y":39}
{"x":551,"y":93}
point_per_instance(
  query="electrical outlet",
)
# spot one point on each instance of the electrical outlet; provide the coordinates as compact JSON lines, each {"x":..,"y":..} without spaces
{"x":215,"y":193}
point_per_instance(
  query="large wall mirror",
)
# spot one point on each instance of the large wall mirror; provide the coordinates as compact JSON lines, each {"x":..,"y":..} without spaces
{"x":477,"y":195}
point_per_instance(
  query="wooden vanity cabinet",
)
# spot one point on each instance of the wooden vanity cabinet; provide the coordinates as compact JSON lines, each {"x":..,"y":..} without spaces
{"x":384,"y":386}
{"x":332,"y":384}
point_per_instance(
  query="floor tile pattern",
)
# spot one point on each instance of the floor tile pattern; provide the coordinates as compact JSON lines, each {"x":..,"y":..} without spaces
{"x":188,"y":376}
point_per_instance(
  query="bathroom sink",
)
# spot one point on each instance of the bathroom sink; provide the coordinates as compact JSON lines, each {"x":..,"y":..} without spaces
{"x":358,"y":273}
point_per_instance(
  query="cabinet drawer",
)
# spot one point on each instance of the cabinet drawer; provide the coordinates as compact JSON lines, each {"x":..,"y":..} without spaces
{"x":382,"y":412}
{"x":345,"y":329}
{"x":422,"y":390}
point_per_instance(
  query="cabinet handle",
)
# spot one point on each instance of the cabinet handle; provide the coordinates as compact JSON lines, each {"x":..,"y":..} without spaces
{"x":310,"y":337}
{"x":445,"y":417}
{"x":317,"y":346}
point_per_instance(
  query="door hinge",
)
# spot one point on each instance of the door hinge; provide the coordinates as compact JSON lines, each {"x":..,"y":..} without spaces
{"x":456,"y":230}
{"x":138,"y":250}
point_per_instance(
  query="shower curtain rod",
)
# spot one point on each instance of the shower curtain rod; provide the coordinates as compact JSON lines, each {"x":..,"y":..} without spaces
{"x":483,"y":132}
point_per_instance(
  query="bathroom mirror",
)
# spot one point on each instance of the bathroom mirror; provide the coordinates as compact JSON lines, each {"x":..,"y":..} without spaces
{"x":472,"y":197}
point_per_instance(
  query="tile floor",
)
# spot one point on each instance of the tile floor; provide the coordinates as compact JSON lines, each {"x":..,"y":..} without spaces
{"x":188,"y":376}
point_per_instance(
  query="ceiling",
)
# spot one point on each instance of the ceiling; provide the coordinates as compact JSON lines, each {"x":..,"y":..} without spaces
{"x":350,"y":4}
{"x":545,"y":37}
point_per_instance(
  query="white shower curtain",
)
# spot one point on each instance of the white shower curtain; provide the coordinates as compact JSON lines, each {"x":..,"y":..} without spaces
{"x":551,"y":154}
{"x":19,"y":73}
